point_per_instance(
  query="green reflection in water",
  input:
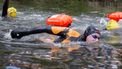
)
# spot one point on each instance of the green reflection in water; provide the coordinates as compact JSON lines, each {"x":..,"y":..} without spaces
{"x":48,"y":63}
{"x":44,"y":61}
{"x":74,"y":7}
{"x":5,"y":52}
{"x":3,"y":55}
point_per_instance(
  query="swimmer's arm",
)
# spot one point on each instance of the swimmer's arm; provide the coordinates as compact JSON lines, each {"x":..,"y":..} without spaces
{"x":61,"y":32}
{"x":5,"y":8}
{"x":46,"y":29}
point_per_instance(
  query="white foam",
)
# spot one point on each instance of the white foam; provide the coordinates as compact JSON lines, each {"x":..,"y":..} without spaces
{"x":8,"y":35}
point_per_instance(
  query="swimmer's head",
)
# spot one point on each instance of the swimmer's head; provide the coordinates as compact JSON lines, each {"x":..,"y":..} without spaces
{"x":91,"y":34}
{"x":12,"y":12}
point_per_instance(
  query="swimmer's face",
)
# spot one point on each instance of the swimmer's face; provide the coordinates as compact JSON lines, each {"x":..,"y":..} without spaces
{"x":93,"y":38}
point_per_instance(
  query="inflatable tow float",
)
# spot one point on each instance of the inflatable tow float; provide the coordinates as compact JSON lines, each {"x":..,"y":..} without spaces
{"x":62,"y":20}
{"x":115,"y":16}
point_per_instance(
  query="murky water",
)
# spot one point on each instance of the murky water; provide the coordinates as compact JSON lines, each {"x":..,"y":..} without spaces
{"x":28,"y":54}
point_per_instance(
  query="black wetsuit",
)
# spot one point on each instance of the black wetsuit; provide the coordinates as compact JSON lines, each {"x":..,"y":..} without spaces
{"x":63,"y":32}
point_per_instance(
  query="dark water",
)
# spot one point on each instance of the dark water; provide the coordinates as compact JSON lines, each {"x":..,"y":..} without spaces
{"x":28,"y":54}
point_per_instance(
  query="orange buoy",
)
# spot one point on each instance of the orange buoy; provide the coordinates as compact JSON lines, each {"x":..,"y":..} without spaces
{"x":115,"y":16}
{"x":62,"y":20}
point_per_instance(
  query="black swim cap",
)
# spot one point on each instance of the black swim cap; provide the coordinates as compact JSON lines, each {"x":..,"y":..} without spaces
{"x":90,"y":30}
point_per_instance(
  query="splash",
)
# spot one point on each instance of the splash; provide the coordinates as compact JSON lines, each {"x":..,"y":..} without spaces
{"x":8,"y":35}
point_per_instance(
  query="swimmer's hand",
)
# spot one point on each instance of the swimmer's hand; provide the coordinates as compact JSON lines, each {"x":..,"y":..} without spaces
{"x":12,"y":35}
{"x":16,"y":34}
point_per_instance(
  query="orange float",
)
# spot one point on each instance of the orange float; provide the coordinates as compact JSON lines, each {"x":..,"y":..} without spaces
{"x":62,"y":20}
{"x":115,"y":16}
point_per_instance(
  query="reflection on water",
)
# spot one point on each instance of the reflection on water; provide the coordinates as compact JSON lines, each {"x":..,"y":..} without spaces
{"x":70,"y":56}
{"x":12,"y":67}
